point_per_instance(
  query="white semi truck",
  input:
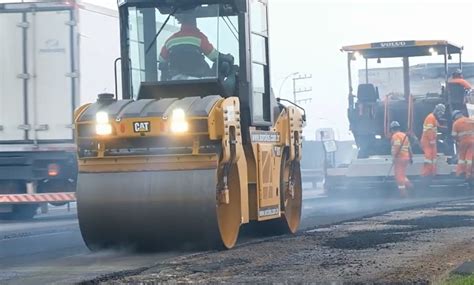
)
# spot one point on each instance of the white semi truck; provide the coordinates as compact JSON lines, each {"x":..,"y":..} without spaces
{"x":54,"y":56}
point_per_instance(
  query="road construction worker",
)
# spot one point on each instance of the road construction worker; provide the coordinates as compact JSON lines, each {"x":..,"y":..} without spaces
{"x":183,"y":53}
{"x":429,"y":139}
{"x":402,"y":157}
{"x":463,"y":133}
{"x":458,"y":78}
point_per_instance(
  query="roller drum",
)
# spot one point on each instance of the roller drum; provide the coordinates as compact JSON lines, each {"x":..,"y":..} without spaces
{"x":148,"y":210}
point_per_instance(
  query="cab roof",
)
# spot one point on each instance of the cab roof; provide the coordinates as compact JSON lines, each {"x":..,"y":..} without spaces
{"x":403,"y":48}
{"x":172,"y":2}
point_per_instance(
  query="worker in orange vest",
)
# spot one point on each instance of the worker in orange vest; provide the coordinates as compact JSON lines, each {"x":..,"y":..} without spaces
{"x":429,"y":139}
{"x":402,"y":157}
{"x":463,"y":133}
{"x":458,"y":78}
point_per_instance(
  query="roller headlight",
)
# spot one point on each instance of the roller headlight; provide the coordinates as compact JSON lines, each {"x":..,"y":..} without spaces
{"x":178,"y":121}
{"x":102,"y":127}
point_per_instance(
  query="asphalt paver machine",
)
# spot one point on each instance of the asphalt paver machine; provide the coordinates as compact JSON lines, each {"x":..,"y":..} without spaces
{"x":407,"y":97}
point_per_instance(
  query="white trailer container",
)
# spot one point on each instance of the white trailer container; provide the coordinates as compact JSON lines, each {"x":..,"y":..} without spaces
{"x":54,"y":56}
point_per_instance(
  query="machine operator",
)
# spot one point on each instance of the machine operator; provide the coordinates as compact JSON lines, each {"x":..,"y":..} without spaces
{"x":183,"y":54}
{"x":458,"y":78}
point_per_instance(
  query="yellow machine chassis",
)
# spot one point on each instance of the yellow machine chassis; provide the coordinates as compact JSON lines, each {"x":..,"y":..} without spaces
{"x":260,"y":181}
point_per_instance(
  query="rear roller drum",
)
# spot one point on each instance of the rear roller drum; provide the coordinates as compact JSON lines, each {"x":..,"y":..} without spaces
{"x":291,"y":201}
{"x":292,"y":195}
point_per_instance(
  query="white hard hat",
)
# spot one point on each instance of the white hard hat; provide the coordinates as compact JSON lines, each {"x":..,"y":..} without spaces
{"x":440,"y":109}
{"x":457,"y":72}
{"x":394,"y":124}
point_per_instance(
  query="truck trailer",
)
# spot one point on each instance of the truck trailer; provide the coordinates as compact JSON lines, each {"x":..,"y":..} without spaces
{"x":54,"y":56}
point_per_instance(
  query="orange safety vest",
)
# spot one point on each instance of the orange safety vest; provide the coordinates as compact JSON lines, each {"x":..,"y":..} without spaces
{"x":189,"y":35}
{"x":463,"y":130}
{"x":461,"y":81}
{"x":430,"y":128}
{"x":400,"y":146}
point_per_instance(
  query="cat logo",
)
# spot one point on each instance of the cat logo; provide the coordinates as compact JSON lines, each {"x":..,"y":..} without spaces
{"x":141,"y":127}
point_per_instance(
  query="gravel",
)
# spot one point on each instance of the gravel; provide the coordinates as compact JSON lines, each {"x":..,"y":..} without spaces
{"x":416,"y":246}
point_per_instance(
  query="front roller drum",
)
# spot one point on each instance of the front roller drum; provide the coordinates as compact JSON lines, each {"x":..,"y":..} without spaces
{"x":157,"y":210}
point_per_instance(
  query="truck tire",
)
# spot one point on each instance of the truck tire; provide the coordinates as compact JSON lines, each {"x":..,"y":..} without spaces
{"x":55,"y":186}
{"x":24,"y":212}
{"x":19,"y":212}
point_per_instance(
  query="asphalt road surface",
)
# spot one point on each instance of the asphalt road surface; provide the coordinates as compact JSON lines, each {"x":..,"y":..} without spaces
{"x":420,"y":245}
{"x":50,"y":250}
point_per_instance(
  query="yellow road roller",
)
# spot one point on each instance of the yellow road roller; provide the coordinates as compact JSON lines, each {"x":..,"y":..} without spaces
{"x":198,"y":145}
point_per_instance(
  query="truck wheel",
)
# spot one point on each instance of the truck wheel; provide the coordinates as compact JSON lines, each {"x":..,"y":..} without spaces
{"x":55,"y":186}
{"x":24,"y":212}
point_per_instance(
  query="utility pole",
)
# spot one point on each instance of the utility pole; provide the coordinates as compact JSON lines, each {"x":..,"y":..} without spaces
{"x":301,"y":90}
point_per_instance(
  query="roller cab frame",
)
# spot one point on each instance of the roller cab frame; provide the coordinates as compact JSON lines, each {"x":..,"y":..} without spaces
{"x":198,"y":145}
{"x":370,"y":114}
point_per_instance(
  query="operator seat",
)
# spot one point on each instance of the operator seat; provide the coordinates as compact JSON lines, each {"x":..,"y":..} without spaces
{"x":456,"y":92}
{"x":367,"y":93}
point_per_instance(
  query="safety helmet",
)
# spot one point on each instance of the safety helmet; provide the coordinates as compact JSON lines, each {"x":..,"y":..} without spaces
{"x":394,"y":125}
{"x":186,"y":17}
{"x":457,"y":72}
{"x":456,"y":115}
{"x":439,"y":110}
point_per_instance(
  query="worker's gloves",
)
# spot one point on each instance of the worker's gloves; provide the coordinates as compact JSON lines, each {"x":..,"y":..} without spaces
{"x":226,"y":58}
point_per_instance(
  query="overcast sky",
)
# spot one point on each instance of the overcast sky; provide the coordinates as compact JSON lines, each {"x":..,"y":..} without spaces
{"x":306,"y":36}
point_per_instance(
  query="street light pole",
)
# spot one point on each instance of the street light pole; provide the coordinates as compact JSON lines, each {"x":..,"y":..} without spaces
{"x":301,"y":90}
{"x":284,"y":80}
